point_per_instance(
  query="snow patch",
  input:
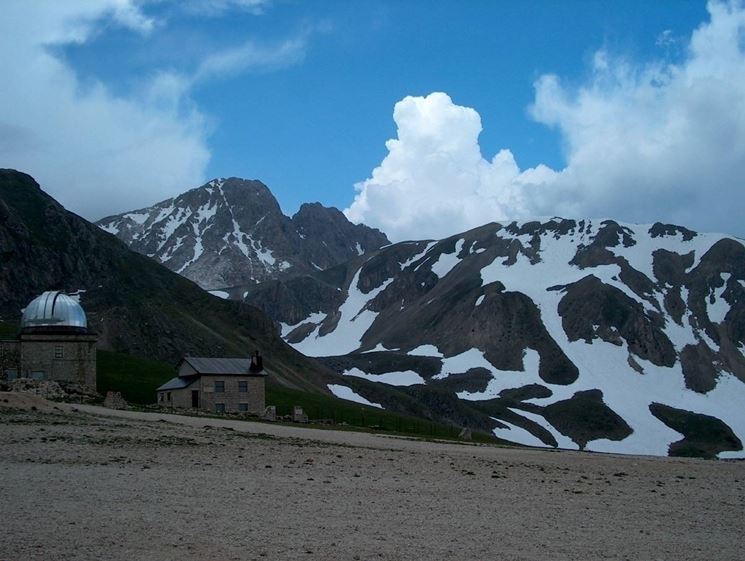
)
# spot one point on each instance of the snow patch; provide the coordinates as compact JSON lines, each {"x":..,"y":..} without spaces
{"x":718,"y":309}
{"x":516,"y":434}
{"x":472,"y":358}
{"x":219,"y":293}
{"x":343,"y":392}
{"x":404,"y":378}
{"x":316,"y":318}
{"x":417,"y":256}
{"x":447,"y":261}
{"x":355,"y":319}
{"x":425,"y":350}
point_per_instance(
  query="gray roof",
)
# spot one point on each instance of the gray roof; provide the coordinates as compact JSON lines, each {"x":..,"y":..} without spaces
{"x":54,"y":309}
{"x":205,"y":365}
{"x":176,"y":383}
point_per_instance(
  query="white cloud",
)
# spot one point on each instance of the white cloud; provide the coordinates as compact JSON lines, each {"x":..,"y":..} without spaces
{"x":644,"y":142}
{"x":252,"y":56}
{"x":94,"y":151}
{"x":218,"y":7}
{"x":434,"y":180}
{"x":98,"y":152}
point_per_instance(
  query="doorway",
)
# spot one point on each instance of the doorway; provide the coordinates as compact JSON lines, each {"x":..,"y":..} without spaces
{"x":195,"y":399}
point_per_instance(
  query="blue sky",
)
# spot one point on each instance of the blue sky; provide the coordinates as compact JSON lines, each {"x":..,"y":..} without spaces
{"x":301,"y":95}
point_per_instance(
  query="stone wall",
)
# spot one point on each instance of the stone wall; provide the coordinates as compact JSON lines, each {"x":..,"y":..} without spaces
{"x":232,"y":397}
{"x":10,"y":359}
{"x":59,"y":357}
{"x":180,"y":398}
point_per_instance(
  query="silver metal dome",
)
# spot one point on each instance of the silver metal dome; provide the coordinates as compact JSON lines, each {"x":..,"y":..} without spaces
{"x":54,"y":309}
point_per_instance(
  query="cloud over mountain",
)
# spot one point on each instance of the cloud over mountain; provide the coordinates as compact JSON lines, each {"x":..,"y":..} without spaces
{"x":643,"y":141}
{"x":81,"y":139}
{"x":99,"y":149}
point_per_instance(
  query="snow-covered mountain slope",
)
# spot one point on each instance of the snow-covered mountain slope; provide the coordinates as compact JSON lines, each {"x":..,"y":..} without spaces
{"x":578,"y":334}
{"x":231,"y":232}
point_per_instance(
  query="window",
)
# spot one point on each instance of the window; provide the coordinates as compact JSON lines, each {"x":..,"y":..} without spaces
{"x":219,"y":408}
{"x":243,"y":407}
{"x":243,"y":386}
{"x":168,"y":396}
{"x":59,"y":351}
{"x":220,"y":386}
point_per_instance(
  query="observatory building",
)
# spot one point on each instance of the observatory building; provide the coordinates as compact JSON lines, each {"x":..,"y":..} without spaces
{"x":54,"y":343}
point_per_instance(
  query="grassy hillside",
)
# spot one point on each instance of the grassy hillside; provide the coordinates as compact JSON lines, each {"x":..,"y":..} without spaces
{"x":322,"y":407}
{"x":8,"y":330}
{"x":136,"y":378}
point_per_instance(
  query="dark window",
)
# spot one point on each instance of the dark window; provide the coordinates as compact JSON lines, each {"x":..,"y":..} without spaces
{"x":59,"y":351}
{"x":243,"y":407}
{"x":168,"y":396}
{"x":243,"y":386}
{"x":219,"y":407}
{"x":219,"y":386}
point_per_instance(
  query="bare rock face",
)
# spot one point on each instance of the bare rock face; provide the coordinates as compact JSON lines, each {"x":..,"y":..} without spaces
{"x":231,"y":233}
{"x":554,"y":333}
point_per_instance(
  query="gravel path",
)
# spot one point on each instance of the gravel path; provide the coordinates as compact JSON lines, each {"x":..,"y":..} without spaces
{"x":102,"y":484}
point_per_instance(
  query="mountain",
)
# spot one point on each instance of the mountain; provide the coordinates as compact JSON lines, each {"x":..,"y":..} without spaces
{"x":136,"y":305}
{"x":231,"y":232}
{"x":573,"y":333}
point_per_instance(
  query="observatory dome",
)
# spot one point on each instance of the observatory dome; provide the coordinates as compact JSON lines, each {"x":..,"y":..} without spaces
{"x":54,"y":309}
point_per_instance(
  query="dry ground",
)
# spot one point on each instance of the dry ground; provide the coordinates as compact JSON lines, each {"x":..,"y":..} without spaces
{"x":81,"y":485}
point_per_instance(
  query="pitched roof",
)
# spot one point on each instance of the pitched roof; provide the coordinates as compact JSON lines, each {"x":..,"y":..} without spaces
{"x":205,"y":365}
{"x":176,"y":383}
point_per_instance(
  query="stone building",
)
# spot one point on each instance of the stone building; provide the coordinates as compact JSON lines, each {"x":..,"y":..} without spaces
{"x":54,"y":343}
{"x":221,"y":385}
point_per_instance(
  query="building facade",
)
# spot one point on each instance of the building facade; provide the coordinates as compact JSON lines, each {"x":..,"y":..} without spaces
{"x":219,"y":385}
{"x":54,"y":343}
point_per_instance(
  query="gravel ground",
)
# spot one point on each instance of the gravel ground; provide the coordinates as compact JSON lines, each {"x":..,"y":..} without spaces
{"x":101,"y":484}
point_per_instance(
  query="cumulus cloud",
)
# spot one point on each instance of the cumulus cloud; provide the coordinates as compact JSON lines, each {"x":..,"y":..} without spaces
{"x":434,"y":180}
{"x":644,"y":142}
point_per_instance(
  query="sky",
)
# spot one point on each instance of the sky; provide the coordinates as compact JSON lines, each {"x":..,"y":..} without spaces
{"x":422,"y":118}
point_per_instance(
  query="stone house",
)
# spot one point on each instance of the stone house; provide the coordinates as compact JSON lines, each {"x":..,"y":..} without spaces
{"x":54,"y":343}
{"x":220,"y":385}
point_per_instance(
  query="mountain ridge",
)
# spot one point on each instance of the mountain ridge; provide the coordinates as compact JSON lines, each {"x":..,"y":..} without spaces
{"x":643,"y":317}
{"x":230,"y":233}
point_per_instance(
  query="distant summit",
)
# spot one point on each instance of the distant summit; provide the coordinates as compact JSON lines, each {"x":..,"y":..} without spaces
{"x":231,"y":233}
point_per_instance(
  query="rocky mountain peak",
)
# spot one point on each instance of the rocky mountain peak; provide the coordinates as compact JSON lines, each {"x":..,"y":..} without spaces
{"x":231,"y":233}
